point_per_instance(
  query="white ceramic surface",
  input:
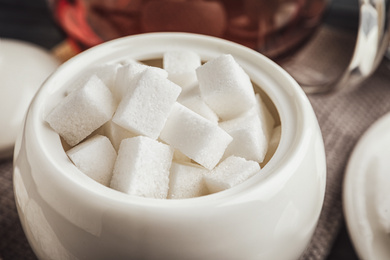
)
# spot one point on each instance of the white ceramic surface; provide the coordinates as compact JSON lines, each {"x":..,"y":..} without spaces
{"x":66,"y":215}
{"x":366,"y":192}
{"x":23,"y":68}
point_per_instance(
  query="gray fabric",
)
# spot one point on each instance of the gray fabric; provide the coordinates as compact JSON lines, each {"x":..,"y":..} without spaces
{"x":13,"y":243}
{"x":343,"y":119}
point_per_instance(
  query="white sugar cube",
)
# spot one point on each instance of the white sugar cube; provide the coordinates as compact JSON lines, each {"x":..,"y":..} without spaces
{"x":95,"y":157}
{"x":142,"y":168}
{"x":180,"y":157}
{"x":105,"y":72}
{"x":186,"y":181}
{"x":82,"y":111}
{"x":225,"y":87}
{"x":127,"y":77}
{"x":195,"y":102}
{"x":195,"y":136}
{"x":249,"y":140}
{"x":116,"y":133}
{"x":189,"y":92}
{"x":265,"y":116}
{"x":181,"y":66}
{"x":230,"y":172}
{"x":145,"y":109}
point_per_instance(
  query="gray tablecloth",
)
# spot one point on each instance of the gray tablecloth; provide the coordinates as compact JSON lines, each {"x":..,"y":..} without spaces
{"x":343,"y":118}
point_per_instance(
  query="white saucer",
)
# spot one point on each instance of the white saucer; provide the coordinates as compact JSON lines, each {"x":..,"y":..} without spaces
{"x":366,"y":194}
{"x":23,"y":68}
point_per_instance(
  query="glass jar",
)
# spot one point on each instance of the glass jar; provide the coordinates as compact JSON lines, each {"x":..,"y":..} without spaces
{"x":326,"y":45}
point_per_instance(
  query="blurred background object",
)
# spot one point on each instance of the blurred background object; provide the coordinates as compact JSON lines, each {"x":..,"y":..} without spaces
{"x":29,"y":21}
{"x":308,"y":38}
{"x":23,"y":69}
{"x":272,"y":27}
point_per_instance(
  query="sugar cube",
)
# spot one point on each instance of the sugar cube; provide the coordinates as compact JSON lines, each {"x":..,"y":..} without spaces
{"x":230,"y":172}
{"x":127,"y":77}
{"x":195,"y":102}
{"x":186,"y":181}
{"x":106,"y":72}
{"x":183,"y":131}
{"x":145,"y":109}
{"x":225,"y":87}
{"x":116,"y":133}
{"x":195,"y":136}
{"x":266,"y":119}
{"x":82,"y":111}
{"x":142,"y":167}
{"x":95,"y":157}
{"x":180,"y":157}
{"x":181,"y":65}
{"x":249,"y":140}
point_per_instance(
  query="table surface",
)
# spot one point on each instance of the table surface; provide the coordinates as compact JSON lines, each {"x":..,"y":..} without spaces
{"x":31,"y":21}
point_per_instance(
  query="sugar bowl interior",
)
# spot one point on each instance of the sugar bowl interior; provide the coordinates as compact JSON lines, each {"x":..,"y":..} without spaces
{"x":272,"y":215}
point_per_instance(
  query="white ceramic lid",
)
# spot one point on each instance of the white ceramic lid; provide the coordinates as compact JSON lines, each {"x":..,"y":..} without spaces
{"x":366,"y":192}
{"x":23,"y":68}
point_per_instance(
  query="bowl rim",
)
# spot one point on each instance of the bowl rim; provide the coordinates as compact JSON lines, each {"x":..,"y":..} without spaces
{"x":293,"y":106}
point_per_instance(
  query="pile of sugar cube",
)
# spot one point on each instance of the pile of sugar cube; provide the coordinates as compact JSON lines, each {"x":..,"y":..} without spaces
{"x":183,"y":130}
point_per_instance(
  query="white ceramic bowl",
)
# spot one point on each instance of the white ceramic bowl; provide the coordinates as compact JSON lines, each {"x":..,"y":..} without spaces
{"x":66,"y":215}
